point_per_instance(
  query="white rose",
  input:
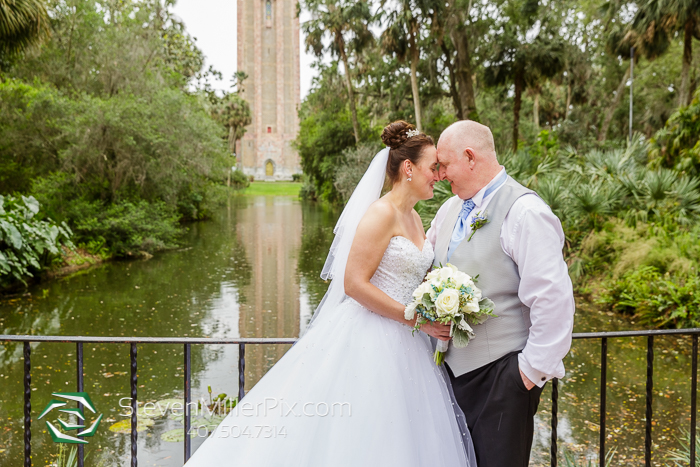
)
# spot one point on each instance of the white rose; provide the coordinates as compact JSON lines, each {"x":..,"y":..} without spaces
{"x":410,"y":311}
{"x":432,"y":274}
{"x":462,"y":279}
{"x":447,"y":303}
{"x":420,"y":291}
{"x":477,"y":293}
{"x":471,"y":307}
{"x":442,"y":276}
{"x":452,"y":266}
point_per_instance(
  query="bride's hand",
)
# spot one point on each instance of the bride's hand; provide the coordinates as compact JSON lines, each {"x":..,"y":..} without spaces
{"x":437,"y":330}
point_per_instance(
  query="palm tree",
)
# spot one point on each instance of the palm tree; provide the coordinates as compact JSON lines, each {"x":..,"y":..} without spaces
{"x":23,"y":23}
{"x":234,"y":114}
{"x":345,"y":23}
{"x":401,"y":39}
{"x":673,"y":16}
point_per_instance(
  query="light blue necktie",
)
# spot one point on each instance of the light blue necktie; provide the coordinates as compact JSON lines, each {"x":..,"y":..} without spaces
{"x":460,"y":230}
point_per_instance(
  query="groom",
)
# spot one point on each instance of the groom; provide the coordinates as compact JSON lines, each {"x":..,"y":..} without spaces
{"x":498,"y":378}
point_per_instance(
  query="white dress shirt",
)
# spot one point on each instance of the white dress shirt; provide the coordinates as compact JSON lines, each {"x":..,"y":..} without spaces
{"x":532,"y":236}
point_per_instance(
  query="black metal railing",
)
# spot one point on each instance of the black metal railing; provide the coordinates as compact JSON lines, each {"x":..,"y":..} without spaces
{"x":187,"y":342}
{"x":604,"y":336}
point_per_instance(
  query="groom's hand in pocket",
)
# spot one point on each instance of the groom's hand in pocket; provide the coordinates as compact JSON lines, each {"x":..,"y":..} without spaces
{"x":526,"y":381}
{"x":437,"y":330}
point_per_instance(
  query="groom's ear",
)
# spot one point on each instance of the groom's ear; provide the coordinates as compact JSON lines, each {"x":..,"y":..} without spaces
{"x":471,"y":157}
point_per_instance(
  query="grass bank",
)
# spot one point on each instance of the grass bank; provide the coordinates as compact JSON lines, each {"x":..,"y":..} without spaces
{"x":272,"y":189}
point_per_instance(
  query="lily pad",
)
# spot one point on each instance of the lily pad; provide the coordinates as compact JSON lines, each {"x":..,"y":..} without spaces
{"x":176,"y":436}
{"x":124,"y":426}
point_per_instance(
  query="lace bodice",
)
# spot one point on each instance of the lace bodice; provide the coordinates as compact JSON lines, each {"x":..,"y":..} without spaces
{"x":402,"y":268}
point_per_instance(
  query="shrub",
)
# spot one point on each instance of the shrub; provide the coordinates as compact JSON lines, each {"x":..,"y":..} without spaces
{"x":678,"y":143}
{"x":27,"y":243}
{"x":355,"y":162}
{"x":656,"y":299}
{"x":129,"y":228}
{"x":239,"y":180}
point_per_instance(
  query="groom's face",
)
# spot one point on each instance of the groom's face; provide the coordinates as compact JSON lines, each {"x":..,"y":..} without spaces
{"x":455,"y":168}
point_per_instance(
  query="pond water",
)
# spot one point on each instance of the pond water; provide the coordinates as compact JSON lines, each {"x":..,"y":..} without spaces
{"x":253,"y":271}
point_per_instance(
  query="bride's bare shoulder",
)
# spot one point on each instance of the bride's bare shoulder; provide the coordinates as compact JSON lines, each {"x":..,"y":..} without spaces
{"x":380,"y":219}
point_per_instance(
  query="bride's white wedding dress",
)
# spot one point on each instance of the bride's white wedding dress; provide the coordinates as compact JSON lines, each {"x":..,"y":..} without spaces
{"x":358,"y":389}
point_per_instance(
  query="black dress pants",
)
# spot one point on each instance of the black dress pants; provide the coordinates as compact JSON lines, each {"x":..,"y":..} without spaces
{"x":499,"y":410}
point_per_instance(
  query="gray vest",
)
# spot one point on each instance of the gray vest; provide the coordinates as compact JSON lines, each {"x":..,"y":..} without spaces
{"x":498,"y":280}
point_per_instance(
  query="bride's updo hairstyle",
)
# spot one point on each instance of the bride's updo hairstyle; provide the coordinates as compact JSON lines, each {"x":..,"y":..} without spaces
{"x":396,"y":136}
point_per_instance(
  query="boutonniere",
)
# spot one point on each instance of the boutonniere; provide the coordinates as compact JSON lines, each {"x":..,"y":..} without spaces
{"x":478,"y":222}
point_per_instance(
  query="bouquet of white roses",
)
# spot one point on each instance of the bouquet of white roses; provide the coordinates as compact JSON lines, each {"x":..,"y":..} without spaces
{"x":449,"y":296}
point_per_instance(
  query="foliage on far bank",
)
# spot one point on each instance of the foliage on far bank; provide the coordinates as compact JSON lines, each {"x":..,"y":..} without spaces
{"x":100,"y":125}
{"x":27,"y":243}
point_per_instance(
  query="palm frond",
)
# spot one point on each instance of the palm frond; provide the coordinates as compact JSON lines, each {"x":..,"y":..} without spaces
{"x":23,"y":23}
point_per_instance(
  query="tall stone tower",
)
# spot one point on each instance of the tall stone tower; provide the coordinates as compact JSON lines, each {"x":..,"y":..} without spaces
{"x":268,"y":51}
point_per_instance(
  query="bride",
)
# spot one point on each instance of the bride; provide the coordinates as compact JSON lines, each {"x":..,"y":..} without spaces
{"x":359,"y":388}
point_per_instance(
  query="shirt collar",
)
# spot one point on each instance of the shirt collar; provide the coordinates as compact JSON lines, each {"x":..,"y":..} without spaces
{"x":491,"y":188}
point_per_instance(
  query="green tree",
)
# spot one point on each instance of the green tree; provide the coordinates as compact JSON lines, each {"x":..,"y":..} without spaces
{"x":527,"y":52}
{"x":460,"y":30}
{"x":100,"y":125}
{"x":401,"y":38}
{"x":345,"y":24}
{"x":234,"y":114}
{"x":674,"y":16}
{"x":325,"y":131}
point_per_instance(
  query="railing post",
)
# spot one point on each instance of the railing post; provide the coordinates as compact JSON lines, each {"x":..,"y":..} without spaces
{"x":693,"y":399}
{"x":188,"y":397}
{"x":241,"y":371}
{"x":27,"y":405}
{"x":650,"y":389}
{"x":134,"y":406}
{"x":555,"y":407}
{"x":603,"y":394}
{"x":79,"y":368}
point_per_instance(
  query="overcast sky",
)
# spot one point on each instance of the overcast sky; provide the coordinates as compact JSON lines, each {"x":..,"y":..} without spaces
{"x":213,"y":24}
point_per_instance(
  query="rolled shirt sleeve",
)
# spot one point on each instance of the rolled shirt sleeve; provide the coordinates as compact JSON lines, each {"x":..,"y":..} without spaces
{"x":533,"y":237}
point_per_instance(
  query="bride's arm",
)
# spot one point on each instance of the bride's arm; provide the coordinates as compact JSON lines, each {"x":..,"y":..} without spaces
{"x":371,"y":240}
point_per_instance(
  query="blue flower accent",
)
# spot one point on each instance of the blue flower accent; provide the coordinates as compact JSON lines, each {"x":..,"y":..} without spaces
{"x":478,"y":222}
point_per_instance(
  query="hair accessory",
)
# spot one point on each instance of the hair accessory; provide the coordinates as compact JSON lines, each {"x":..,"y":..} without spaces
{"x":412,"y":133}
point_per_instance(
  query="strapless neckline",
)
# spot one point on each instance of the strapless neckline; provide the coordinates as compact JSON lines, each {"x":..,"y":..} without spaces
{"x":411,"y":242}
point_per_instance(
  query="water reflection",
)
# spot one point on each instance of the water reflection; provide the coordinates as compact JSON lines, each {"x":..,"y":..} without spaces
{"x":247,"y":273}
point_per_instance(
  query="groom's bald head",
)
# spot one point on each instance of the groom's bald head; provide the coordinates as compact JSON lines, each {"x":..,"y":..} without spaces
{"x":467,"y":156}
{"x":468,"y":134}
